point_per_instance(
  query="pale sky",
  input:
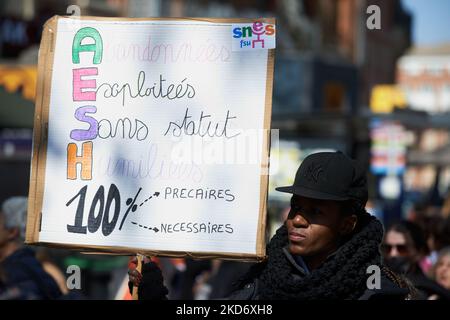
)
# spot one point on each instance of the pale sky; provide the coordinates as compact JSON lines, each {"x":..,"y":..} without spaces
{"x":431,"y":21}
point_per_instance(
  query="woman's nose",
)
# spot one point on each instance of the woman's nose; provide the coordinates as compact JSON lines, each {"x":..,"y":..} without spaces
{"x":394,"y":252}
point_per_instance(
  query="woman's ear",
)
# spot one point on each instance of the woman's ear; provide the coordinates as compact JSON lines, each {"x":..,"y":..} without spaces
{"x":349,"y":224}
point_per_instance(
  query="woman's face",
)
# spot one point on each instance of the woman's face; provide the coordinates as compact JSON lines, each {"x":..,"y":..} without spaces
{"x":443,"y":271}
{"x":315,"y":226}
{"x":396,"y":245}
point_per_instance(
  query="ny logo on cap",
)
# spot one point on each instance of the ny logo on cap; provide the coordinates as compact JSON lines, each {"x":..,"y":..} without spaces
{"x":312,"y":172}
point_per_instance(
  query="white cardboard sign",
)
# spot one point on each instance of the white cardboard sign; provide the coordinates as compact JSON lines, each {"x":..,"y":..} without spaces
{"x":151,"y":136}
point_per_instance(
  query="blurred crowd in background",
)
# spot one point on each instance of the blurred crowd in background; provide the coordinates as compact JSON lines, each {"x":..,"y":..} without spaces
{"x":377,"y":94}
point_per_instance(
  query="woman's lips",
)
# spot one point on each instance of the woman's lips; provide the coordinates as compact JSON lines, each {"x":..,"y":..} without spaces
{"x":295,"y":237}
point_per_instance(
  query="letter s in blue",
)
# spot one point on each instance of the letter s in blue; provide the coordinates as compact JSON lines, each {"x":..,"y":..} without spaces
{"x":237,"y":32}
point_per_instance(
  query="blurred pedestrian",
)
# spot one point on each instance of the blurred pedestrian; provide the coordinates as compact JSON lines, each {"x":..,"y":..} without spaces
{"x":403,"y":248}
{"x":21,"y":274}
{"x":43,"y":255}
{"x":442,"y":268}
{"x":220,"y":281}
{"x":431,"y":226}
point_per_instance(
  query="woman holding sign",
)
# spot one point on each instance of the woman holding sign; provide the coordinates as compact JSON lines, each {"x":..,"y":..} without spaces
{"x":328,"y":247}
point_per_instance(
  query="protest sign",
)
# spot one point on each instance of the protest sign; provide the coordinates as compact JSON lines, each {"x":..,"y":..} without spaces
{"x":151,"y":136}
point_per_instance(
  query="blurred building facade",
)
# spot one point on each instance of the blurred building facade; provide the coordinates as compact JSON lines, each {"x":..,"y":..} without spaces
{"x":327,"y":59}
{"x":330,"y":33}
{"x":424,"y":75}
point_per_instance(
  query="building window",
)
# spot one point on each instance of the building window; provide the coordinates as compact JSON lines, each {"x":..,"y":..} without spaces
{"x":446,"y":88}
{"x":426,"y":88}
{"x":413,"y":71}
{"x":435,"y":71}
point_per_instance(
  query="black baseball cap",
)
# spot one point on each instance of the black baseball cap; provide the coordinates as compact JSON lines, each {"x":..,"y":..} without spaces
{"x":329,"y":176}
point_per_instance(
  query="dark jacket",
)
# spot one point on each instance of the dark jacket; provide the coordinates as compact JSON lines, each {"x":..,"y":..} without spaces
{"x":342,"y":276}
{"x":22,"y":277}
{"x":388,"y":289}
{"x":152,"y":287}
{"x":425,"y":286}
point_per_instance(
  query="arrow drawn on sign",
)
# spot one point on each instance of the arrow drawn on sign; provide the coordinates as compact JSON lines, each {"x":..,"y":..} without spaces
{"x":156,"y":194}
{"x":155,"y":229}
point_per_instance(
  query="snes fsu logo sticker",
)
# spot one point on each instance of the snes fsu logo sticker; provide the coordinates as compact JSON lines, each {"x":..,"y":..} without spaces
{"x":253,"y":36}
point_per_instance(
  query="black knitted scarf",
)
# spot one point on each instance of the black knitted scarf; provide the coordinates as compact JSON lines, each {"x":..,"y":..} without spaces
{"x":342,"y":276}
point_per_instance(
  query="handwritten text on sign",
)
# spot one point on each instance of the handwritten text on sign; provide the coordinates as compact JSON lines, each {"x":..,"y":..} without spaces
{"x":148,"y":125}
